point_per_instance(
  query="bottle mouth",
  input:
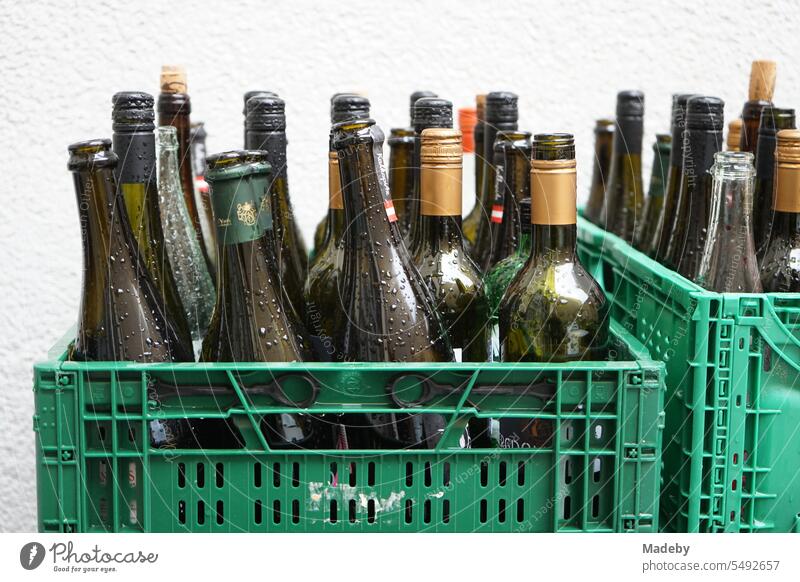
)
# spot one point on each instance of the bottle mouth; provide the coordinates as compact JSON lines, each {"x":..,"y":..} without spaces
{"x":501,"y":107}
{"x":266,"y":113}
{"x":167,"y":136}
{"x":553,"y":146}
{"x":704,"y":112}
{"x":255,"y":93}
{"x":630,"y":104}
{"x":604,"y":126}
{"x":349,"y":106}
{"x":432,"y":112}
{"x":734,"y":165}
{"x":91,"y":153}
{"x":133,"y":109}
{"x":513,"y":139}
{"x":355,"y":131}
{"x":773,"y":119}
{"x":236,"y":164}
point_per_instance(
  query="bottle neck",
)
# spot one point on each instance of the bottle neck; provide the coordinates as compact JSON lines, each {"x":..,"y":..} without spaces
{"x":400,"y":173}
{"x":658,"y":175}
{"x":169,"y":179}
{"x":553,"y":242}
{"x":274,"y":143}
{"x":439,"y":235}
{"x":699,"y":147}
{"x":786,"y":227}
{"x":751,"y":120}
{"x":137,"y":156}
{"x":489,"y":172}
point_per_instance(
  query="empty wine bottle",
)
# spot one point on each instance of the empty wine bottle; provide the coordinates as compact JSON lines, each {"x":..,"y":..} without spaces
{"x":247,"y":96}
{"x":701,"y":140}
{"x":467,"y":118}
{"x":429,"y":112}
{"x":344,"y":106}
{"x":500,"y":276}
{"x":624,"y":197}
{"x":134,"y":144}
{"x":553,"y":310}
{"x":174,"y":108}
{"x":512,"y":160}
{"x":452,"y":278}
{"x":666,"y":221}
{"x":762,"y":87}
{"x":323,"y":304}
{"x":470,"y":225}
{"x":412,"y":100}
{"x":401,"y":173}
{"x":773,"y":119}
{"x":734,"y":138}
{"x":654,"y":204}
{"x":729,"y":258}
{"x":197,"y":139}
{"x":390,"y":314}
{"x":266,"y":130}
{"x":501,"y":115}
{"x":603,"y":146}
{"x":193,"y":280}
{"x":780,"y":268}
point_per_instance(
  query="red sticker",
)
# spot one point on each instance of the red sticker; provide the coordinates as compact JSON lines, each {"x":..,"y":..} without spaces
{"x":390,"y":213}
{"x":497,"y":213}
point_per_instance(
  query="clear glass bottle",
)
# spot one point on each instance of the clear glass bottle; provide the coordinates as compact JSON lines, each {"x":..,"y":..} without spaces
{"x":729,"y":262}
{"x":185,"y":255}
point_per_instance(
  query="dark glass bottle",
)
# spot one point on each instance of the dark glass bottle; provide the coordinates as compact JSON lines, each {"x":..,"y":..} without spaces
{"x":654,"y":204}
{"x":321,"y":294}
{"x":729,"y":257}
{"x":344,"y":106}
{"x":412,"y":100}
{"x":472,"y":220}
{"x":666,"y":221}
{"x":603,"y":146}
{"x":249,"y":95}
{"x":500,"y":276}
{"x":390,"y":314}
{"x":780,"y":269}
{"x":773,"y":119}
{"x":501,"y":115}
{"x":452,"y":278}
{"x":197,"y":138}
{"x":762,"y":87}
{"x":401,"y":173}
{"x":174,"y":108}
{"x":429,"y":112}
{"x":701,"y":140}
{"x":624,"y":197}
{"x":266,"y":130}
{"x":121,"y":316}
{"x":134,"y":144}
{"x":553,"y":311}
{"x":512,"y":160}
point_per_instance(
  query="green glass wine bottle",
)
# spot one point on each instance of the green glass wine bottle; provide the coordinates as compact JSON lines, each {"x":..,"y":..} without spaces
{"x":773,"y":120}
{"x":174,"y":108}
{"x":728,"y":264}
{"x":401,"y":172}
{"x":512,"y":160}
{"x":762,"y":87}
{"x":501,"y":115}
{"x":473,"y":219}
{"x":185,"y":255}
{"x":603,"y":145}
{"x":654,"y":204}
{"x":266,"y":130}
{"x":389,"y":312}
{"x":344,"y":106}
{"x":553,"y":311}
{"x":197,"y":140}
{"x":701,"y":140}
{"x":134,"y":143}
{"x":498,"y":279}
{"x":780,"y":268}
{"x":624,"y":198}
{"x":666,"y":220}
{"x":452,"y":278}
{"x":429,"y":112}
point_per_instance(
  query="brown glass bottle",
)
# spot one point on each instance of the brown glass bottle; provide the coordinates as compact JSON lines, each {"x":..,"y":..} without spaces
{"x":134,"y":143}
{"x":266,"y":130}
{"x":603,"y":145}
{"x":701,"y":140}
{"x":501,"y":115}
{"x":780,"y":268}
{"x":666,"y":220}
{"x":773,"y":120}
{"x":174,"y":108}
{"x":512,"y":160}
{"x":624,"y":197}
{"x":762,"y":87}
{"x":473,"y":219}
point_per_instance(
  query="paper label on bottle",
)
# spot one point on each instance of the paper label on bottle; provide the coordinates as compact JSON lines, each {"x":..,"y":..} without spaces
{"x":494,"y":343}
{"x":457,"y":353}
{"x":241,"y":210}
{"x":497,"y":213}
{"x":794,"y":259}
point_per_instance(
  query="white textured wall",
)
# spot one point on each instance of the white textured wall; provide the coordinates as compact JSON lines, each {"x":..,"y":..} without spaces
{"x":60,"y":62}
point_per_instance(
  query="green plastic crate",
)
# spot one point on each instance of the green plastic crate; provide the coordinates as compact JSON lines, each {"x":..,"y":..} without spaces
{"x":732,"y":452}
{"x":599,"y":473}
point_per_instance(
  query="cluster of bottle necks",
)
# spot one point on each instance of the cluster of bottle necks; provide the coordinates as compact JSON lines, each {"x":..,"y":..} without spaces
{"x":727,"y":220}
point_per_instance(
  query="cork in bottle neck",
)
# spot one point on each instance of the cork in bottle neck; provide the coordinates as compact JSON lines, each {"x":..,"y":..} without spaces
{"x":762,"y":81}
{"x":173,"y":79}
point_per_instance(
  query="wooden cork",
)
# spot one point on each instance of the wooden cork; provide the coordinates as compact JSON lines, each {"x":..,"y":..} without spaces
{"x":734,"y":134}
{"x":173,"y":79}
{"x":762,"y":80}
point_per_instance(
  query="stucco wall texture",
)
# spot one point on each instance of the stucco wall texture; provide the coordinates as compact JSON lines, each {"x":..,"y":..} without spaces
{"x":60,"y":62}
